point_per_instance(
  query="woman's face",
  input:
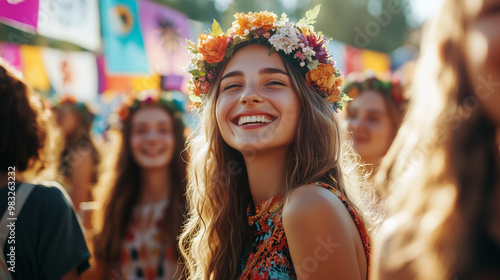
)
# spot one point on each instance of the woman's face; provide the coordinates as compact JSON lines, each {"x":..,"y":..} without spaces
{"x":152,"y":138}
{"x":483,"y":54}
{"x":67,"y":119}
{"x":371,"y":125}
{"x":257,"y":108}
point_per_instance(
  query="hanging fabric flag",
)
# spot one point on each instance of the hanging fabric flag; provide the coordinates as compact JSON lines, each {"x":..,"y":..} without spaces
{"x":338,"y":52}
{"x":123,"y":44}
{"x":146,"y":82}
{"x":22,"y":14}
{"x":72,"y":73}
{"x":165,"y":32}
{"x":379,"y":62}
{"x":72,"y":21}
{"x":10,"y":52}
{"x":353,"y":60}
{"x":33,"y":68}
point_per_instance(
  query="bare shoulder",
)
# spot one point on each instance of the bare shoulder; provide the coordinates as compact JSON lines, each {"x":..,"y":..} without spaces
{"x":314,"y":203}
{"x":322,"y":237}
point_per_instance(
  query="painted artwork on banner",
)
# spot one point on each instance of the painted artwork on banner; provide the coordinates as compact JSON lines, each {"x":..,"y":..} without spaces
{"x":165,"y":32}
{"x":75,"y":21}
{"x":123,"y":44}
{"x":22,"y":14}
{"x":72,"y":73}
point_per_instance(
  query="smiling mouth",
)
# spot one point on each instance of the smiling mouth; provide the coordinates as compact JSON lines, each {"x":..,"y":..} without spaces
{"x":254,"y":120}
{"x":153,"y":152}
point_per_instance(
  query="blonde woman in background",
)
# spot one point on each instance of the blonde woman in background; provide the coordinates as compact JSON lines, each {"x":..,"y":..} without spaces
{"x":442,"y":172}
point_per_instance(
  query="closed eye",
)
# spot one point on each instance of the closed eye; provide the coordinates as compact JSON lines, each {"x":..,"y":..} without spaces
{"x":229,"y":86}
{"x":275,"y":82}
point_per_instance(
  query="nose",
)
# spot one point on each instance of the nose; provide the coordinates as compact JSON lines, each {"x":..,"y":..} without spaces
{"x":355,"y":124}
{"x":251,"y":96}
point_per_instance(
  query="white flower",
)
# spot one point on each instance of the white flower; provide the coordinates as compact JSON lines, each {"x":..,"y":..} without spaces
{"x":302,"y":64}
{"x":246,"y":31}
{"x":285,"y":39}
{"x":189,"y":67}
{"x":199,"y":56}
{"x":308,"y":52}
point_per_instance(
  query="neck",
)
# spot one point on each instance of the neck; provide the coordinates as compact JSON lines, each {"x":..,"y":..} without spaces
{"x":266,"y":171}
{"x":155,"y":184}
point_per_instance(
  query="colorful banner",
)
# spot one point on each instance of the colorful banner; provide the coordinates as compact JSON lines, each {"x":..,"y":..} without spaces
{"x":10,"y":52}
{"x":127,"y":84}
{"x":353,"y":60}
{"x":72,"y":21}
{"x":379,"y":62}
{"x":33,"y":68}
{"x":165,"y":32}
{"x":72,"y":73}
{"x":123,"y":45}
{"x":22,"y":14}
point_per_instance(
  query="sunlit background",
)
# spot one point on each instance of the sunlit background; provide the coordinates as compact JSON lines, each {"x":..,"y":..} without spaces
{"x":98,"y":51}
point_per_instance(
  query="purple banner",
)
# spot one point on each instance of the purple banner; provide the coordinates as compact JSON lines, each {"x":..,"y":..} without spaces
{"x":164,"y":31}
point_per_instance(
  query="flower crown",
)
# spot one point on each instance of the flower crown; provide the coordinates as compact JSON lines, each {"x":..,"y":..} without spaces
{"x":356,"y":83}
{"x":150,"y":97}
{"x":296,"y":40}
{"x":85,"y":111}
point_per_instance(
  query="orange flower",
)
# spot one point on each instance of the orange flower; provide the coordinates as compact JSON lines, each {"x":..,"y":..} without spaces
{"x":241,"y":23}
{"x":335,"y":96}
{"x":339,"y":81}
{"x":263,"y":20}
{"x":196,"y":90}
{"x":212,"y":48}
{"x":323,"y":76}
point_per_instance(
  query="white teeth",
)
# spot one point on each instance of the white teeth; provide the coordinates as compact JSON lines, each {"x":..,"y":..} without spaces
{"x":253,"y":120}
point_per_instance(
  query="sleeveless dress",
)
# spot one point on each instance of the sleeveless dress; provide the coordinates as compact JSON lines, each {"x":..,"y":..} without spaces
{"x":269,"y":255}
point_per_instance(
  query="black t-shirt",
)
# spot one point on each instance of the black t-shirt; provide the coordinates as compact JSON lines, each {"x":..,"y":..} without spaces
{"x":48,"y":238}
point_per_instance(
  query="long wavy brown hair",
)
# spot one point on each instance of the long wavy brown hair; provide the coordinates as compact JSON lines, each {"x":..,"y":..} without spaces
{"x":442,"y":168}
{"x":217,"y":234}
{"x":119,"y":193}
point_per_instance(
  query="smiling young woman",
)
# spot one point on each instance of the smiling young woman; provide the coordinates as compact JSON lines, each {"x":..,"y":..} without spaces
{"x":374,"y":116}
{"x":268,"y":197}
{"x":142,"y":197}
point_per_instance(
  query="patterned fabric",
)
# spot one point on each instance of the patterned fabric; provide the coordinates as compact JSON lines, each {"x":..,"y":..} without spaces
{"x":144,"y":256}
{"x":269,"y":256}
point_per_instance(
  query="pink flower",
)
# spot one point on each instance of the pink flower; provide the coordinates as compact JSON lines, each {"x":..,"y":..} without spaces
{"x":309,"y":39}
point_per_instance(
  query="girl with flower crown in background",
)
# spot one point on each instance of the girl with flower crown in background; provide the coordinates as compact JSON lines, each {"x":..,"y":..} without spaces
{"x":268,"y":193}
{"x":142,"y":196}
{"x":373,"y":116}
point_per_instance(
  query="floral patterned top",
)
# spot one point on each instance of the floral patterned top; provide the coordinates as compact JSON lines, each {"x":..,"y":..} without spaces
{"x":144,"y":255}
{"x":269,"y":256}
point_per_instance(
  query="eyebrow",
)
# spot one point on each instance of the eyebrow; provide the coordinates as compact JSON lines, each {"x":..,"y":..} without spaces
{"x":270,"y":70}
{"x":263,"y":71}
